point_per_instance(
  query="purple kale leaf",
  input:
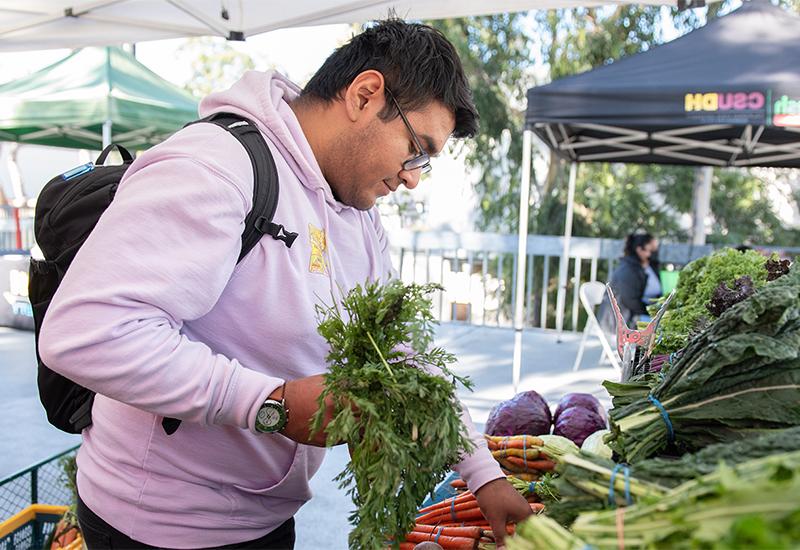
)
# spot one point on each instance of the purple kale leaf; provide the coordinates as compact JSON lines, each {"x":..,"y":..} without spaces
{"x":725,"y":297}
{"x":776,"y":268}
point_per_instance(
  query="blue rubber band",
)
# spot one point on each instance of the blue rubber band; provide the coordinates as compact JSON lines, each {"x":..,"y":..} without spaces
{"x":532,"y":486}
{"x":611,"y":500}
{"x":627,"y":473}
{"x":439,"y":534}
{"x":505,"y":443}
{"x":628,"y":498}
{"x":453,"y":509}
{"x":524,"y":453}
{"x":665,"y":416}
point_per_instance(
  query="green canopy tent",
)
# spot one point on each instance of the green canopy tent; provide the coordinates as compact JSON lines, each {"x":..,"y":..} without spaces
{"x":90,"y":98}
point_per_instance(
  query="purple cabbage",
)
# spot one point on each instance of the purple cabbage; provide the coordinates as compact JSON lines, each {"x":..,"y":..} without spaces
{"x":577,"y":423}
{"x":582,"y":400}
{"x":525,"y":413}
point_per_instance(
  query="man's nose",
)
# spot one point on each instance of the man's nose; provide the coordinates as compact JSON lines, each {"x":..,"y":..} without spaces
{"x":410,"y":178}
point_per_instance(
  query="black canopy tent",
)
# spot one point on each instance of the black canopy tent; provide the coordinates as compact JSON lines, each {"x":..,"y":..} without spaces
{"x":727,"y":94}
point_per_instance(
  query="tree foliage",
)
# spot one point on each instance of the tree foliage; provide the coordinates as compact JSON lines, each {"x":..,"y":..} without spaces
{"x":214,"y":63}
{"x":500,"y":55}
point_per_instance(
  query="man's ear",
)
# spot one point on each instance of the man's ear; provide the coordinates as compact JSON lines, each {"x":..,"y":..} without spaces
{"x":365,"y":95}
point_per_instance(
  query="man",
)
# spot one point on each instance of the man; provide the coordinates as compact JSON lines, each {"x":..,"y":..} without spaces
{"x":158,"y":318}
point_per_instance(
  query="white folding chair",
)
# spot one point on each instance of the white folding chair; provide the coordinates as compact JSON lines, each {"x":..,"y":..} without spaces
{"x":591,"y":295}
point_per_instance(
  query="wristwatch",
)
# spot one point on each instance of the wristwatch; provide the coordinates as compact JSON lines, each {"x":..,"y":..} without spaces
{"x":272,"y":415}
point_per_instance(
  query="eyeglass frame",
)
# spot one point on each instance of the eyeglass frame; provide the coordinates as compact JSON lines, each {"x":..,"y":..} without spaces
{"x":422,"y":160}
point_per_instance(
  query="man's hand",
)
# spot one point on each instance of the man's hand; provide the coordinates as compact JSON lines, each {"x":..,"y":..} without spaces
{"x":300,"y":400}
{"x":501,"y":504}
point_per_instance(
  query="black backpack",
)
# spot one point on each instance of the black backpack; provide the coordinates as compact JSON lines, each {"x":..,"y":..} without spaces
{"x":67,"y":210}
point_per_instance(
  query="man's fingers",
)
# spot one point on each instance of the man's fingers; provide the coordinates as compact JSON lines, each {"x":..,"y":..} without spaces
{"x":499,"y":531}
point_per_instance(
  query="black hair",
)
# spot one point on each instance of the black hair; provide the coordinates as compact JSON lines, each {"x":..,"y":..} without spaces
{"x":418,"y":65}
{"x":636,"y":240}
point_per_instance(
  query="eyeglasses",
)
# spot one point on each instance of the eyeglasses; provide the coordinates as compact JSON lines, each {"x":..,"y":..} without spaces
{"x":422,"y":160}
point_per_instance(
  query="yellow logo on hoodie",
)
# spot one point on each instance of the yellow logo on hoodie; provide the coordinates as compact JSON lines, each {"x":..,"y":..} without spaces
{"x":319,"y":244}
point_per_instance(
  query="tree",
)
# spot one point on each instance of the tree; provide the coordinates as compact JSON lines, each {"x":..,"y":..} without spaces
{"x":496,"y":56}
{"x":495,"y":53}
{"x":215,"y":64}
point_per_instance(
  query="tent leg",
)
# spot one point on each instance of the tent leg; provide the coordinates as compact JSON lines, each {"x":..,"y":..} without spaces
{"x":701,"y":203}
{"x":563,"y":264}
{"x":522,"y":256}
{"x":106,"y":133}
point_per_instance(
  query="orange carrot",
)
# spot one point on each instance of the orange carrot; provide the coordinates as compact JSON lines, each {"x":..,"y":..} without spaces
{"x":468,"y":514}
{"x":513,"y":442}
{"x":483,"y":524}
{"x":448,"y":543}
{"x":458,"y":483}
{"x":469,"y":532}
{"x":544,"y":465}
{"x":406,"y":546}
{"x":65,"y":534}
{"x":536,"y":507}
{"x":466,"y":497}
{"x":452,"y":511}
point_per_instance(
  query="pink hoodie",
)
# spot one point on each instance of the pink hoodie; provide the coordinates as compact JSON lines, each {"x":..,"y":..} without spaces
{"x":156,"y":316}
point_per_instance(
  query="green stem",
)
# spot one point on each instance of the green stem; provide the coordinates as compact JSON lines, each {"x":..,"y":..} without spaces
{"x":385,"y":364}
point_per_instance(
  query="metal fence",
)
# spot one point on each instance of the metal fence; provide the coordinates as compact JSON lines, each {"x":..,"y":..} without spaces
{"x":8,"y":229}
{"x":43,"y":483}
{"x":479,"y":270}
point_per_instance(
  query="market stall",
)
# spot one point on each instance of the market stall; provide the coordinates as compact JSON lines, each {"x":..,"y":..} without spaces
{"x":726,"y":94}
{"x":699,"y":449}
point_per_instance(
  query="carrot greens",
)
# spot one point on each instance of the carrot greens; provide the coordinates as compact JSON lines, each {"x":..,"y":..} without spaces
{"x":395,"y":406}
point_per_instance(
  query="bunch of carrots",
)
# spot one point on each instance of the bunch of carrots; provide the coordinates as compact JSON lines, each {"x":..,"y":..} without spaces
{"x":456,"y":523}
{"x":521,"y":455}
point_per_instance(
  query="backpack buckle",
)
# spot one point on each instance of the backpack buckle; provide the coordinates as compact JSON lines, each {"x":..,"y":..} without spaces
{"x":276,"y":231}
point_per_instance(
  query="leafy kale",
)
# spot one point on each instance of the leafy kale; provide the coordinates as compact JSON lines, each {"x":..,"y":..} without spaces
{"x":738,"y":378}
{"x":724,"y":297}
{"x":776,"y":268}
{"x":696,"y":284}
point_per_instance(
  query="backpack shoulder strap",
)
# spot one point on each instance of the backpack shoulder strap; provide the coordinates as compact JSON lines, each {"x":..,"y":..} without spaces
{"x":265,"y":186}
{"x":265,"y":195}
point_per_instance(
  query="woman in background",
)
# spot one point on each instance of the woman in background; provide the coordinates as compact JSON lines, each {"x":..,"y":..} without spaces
{"x":635,"y":282}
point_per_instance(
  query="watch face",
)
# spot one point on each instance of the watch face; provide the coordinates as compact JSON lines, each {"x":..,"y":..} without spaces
{"x":271,"y":417}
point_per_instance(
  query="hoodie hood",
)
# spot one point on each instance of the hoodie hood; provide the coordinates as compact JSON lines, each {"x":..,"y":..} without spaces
{"x":264,"y":98}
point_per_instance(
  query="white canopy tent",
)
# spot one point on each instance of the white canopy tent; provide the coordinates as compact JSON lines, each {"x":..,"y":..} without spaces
{"x":43,"y":24}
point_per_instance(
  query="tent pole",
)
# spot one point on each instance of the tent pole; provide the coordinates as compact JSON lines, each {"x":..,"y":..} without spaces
{"x":522,"y":256}
{"x":563,"y":264}
{"x":107,"y":133}
{"x":701,"y":203}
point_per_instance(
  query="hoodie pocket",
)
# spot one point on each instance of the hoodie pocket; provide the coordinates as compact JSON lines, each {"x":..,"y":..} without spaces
{"x":293,"y":485}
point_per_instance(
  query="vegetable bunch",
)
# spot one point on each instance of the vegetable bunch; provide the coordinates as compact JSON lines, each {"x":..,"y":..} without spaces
{"x":753,"y":505}
{"x":695,"y":288}
{"x":738,"y":378}
{"x":703,"y":511}
{"x":401,"y":421}
{"x":584,"y":481}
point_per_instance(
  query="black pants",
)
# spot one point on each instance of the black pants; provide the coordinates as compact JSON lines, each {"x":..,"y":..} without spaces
{"x":99,"y":535}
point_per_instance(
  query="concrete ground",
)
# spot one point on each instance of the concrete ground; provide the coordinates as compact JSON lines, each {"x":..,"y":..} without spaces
{"x":484,"y":354}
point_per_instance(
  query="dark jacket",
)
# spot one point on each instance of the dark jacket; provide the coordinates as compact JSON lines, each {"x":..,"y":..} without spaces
{"x":628,"y":283}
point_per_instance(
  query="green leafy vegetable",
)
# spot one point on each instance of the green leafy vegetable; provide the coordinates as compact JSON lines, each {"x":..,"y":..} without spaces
{"x":687,"y":311}
{"x":402,"y":422}
{"x":753,"y":505}
{"x":738,"y":378}
{"x":701,"y":512}
{"x":582,"y":482}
